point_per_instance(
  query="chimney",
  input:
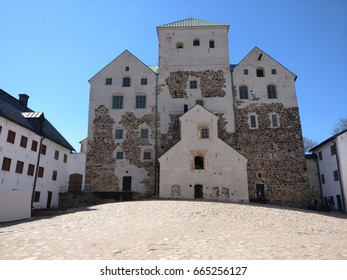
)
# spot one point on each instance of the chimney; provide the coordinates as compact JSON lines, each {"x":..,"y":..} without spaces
{"x":23,"y":99}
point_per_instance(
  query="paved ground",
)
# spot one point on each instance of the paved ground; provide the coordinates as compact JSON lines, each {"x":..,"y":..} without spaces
{"x":178,"y":230}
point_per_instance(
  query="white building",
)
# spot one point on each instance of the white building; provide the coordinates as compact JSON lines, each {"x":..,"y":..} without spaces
{"x":332,"y":162}
{"x":201,"y":165}
{"x":33,"y":158}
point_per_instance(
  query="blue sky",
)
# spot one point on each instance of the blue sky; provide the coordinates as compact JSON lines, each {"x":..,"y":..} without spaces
{"x":50,"y":49}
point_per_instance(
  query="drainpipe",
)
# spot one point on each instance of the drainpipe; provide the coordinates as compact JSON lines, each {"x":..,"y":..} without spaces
{"x":233,"y":92}
{"x":319,"y":178}
{"x":36,"y":173}
{"x":156,"y":185}
{"x":340,"y":178}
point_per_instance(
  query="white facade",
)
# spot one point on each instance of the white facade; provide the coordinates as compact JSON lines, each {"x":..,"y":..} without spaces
{"x":332,"y":161}
{"x":16,"y":182}
{"x":201,"y":165}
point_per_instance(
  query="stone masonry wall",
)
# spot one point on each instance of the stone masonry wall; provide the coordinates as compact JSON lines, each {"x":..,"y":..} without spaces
{"x":132,"y":144}
{"x":275,"y":155}
{"x":100,"y":165}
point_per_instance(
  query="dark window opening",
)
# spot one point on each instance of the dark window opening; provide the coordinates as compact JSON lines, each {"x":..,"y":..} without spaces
{"x":198,"y":191}
{"x":108,"y":81}
{"x":196,"y":42}
{"x":260,"y":72}
{"x":126,"y":82}
{"x":198,"y":162}
{"x":11,"y":136}
{"x":243,"y":92}
{"x":179,"y":45}
{"x":211,"y":44}
{"x":271,"y":92}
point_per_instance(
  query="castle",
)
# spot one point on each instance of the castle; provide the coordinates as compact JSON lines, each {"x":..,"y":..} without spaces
{"x":194,"y":126}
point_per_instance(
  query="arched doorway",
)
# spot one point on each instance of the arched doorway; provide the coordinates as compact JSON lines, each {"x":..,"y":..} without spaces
{"x":198,"y":191}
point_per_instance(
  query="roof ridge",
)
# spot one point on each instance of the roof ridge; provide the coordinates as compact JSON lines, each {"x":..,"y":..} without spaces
{"x":191,"y":22}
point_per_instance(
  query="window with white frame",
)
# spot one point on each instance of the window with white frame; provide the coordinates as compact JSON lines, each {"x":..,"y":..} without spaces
{"x":140,"y":101}
{"x":119,"y":155}
{"x":147,"y":154}
{"x":205,"y":133}
{"x":253,"y":120}
{"x":144,"y":133}
{"x":274,"y":120}
{"x":119,"y":133}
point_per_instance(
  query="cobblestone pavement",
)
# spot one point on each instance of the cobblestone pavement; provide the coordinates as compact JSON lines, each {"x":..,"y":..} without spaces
{"x":177,"y":230}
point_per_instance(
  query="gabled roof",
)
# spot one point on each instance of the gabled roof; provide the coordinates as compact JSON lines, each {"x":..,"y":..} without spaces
{"x":191,"y":22}
{"x":256,"y":48}
{"x":197,"y":107}
{"x":13,"y":110}
{"x":329,"y":139}
{"x":152,"y":68}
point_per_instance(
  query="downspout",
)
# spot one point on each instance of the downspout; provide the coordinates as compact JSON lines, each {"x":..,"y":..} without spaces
{"x":233,"y":92}
{"x":36,"y":174}
{"x":320,"y":181}
{"x":156,"y":185}
{"x":340,"y":178}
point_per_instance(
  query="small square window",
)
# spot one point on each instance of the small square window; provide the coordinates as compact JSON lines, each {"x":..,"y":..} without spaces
{"x":147,"y":155}
{"x":245,"y":71}
{"x":126,"y":82}
{"x":119,"y":155}
{"x":205,"y":133}
{"x":212,"y":44}
{"x":140,"y":101}
{"x":127,"y":68}
{"x":108,"y":81}
{"x":144,"y":134}
{"x":119,"y":133}
{"x":199,"y":102}
{"x":144,"y":81}
{"x":193,"y":84}
{"x":273,"y":71}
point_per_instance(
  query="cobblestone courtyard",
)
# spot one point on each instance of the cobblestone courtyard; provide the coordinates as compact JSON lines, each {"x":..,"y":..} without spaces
{"x":177,"y":230}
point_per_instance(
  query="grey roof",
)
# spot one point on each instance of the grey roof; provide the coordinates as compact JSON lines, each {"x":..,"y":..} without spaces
{"x":191,"y":22}
{"x":13,"y":110}
{"x":329,"y":139}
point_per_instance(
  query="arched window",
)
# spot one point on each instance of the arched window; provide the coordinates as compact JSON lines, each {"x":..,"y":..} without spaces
{"x":243,"y":92}
{"x":179,"y":45}
{"x":127,"y":68}
{"x":198,"y":162}
{"x":260,"y":72}
{"x":126,"y":82}
{"x":211,"y":44}
{"x":271,"y":92}
{"x":196,"y":42}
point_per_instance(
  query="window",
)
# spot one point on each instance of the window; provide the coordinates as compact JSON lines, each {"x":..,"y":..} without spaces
{"x":198,"y":162}
{"x":108,"y":81}
{"x":0,"y":129}
{"x":140,"y":101}
{"x":245,"y":71}
{"x":196,"y":42}
{"x":253,"y":121}
{"x":271,"y":92}
{"x":243,"y":92}
{"x":333,"y":150}
{"x":19,"y":167}
{"x":127,"y":68}
{"x":320,"y":156}
{"x":199,"y":102}
{"x":144,"y":134}
{"x":34,"y":145}
{"x":23,"y":141}
{"x":65,"y":158}
{"x":260,"y":72}
{"x":119,"y":155}
{"x":274,"y":120}
{"x":126,"y":82}
{"x":43,"y":149}
{"x":56,"y":155}
{"x":179,"y":45}
{"x":117,"y":102}
{"x":119,"y":133}
{"x":6,"y":164}
{"x":273,"y":71}
{"x":31,"y":169}
{"x":11,"y":136}
{"x":193,"y":84}
{"x":37,"y":196}
{"x":147,"y":154}
{"x":144,"y":81}
{"x":205,"y":133}
{"x":54,"y":175}
{"x":322,"y":178}
{"x":41,"y":171}
{"x":336,"y":175}
{"x":212,"y":44}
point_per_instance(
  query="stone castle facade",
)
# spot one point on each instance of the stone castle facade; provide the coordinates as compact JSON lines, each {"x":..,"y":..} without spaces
{"x":136,"y":116}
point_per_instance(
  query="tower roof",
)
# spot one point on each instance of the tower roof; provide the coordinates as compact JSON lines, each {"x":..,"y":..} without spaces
{"x":191,"y":22}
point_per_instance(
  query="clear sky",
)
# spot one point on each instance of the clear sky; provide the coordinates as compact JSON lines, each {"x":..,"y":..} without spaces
{"x":49,"y":49}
